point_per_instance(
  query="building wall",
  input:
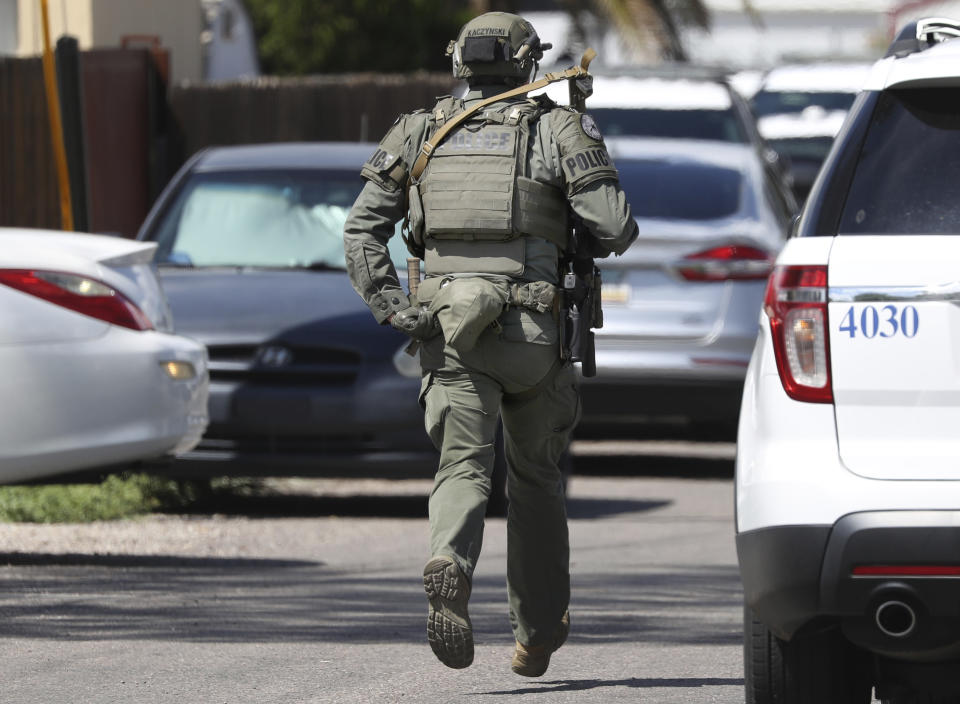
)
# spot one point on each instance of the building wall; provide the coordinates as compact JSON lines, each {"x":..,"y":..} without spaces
{"x":229,"y":43}
{"x":8,"y":27}
{"x":787,"y":30}
{"x":99,"y":24}
{"x":71,"y":17}
{"x":735,"y":40}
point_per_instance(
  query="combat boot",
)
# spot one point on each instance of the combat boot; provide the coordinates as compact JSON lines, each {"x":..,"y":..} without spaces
{"x":449,"y":630}
{"x":533,"y":660}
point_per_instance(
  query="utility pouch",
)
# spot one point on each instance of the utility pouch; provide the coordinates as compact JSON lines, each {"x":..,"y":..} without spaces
{"x":465,"y":306}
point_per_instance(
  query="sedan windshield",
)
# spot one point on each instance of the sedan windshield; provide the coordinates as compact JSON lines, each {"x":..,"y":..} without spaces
{"x":264,"y":218}
{"x":680,"y":190}
{"x":720,"y":125}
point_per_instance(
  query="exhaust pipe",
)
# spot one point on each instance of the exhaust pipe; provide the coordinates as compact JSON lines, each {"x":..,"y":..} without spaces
{"x":895,"y":618}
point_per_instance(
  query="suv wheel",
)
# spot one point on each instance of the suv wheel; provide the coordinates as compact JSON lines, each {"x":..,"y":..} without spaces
{"x":822,"y":668}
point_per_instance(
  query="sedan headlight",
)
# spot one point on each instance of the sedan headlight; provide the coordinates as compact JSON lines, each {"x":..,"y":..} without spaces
{"x":179,"y":371}
{"x":406,"y":364}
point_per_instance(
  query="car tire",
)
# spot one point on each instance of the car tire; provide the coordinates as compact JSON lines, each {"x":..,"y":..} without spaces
{"x":821,"y":668}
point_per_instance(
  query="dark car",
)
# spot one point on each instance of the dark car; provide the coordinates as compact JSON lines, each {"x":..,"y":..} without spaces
{"x":800,"y":108}
{"x":302,"y":379}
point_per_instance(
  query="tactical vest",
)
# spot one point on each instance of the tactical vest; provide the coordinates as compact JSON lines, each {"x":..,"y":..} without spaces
{"x":475,"y":205}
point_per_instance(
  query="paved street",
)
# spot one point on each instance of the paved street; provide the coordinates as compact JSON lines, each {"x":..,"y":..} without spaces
{"x":314,"y":596}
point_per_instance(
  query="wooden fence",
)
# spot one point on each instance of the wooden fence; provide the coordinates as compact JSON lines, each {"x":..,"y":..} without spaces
{"x":349,"y":107}
{"x":116,"y":101}
{"x":28,"y":179}
{"x":124,"y":179}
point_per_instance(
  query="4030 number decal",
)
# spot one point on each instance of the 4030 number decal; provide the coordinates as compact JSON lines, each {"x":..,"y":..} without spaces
{"x":886,"y":321}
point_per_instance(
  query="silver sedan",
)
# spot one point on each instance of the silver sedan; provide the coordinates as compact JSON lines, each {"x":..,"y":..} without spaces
{"x":93,"y":375}
{"x":681,"y":305}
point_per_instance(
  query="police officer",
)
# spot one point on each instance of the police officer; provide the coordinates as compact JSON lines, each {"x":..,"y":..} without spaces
{"x":490,"y":215}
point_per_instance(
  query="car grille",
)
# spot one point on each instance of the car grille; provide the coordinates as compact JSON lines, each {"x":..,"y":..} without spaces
{"x":281,"y":365}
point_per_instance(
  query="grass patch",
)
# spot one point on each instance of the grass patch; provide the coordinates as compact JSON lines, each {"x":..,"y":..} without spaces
{"x":117,"y":496}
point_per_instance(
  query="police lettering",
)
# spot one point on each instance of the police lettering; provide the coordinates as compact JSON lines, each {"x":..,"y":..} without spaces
{"x":380,"y":159}
{"x":587,"y":160}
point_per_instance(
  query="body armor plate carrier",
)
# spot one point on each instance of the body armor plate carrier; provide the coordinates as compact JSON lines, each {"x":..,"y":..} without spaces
{"x":475,"y":190}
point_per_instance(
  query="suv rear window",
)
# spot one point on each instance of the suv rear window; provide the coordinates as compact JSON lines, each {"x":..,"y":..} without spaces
{"x":907,"y":179}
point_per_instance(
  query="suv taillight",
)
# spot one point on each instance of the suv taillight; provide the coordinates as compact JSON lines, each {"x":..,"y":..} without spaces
{"x":78,"y":293}
{"x":796,"y":301}
{"x":725,"y":263}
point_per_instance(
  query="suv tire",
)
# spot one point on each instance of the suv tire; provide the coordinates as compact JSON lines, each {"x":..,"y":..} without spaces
{"x":822,"y":668}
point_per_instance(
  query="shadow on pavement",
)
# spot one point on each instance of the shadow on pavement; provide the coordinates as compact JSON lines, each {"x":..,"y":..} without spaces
{"x":652,"y":466}
{"x":634,"y":682}
{"x":47,"y":559}
{"x":310,"y":506}
{"x":96,"y":598}
{"x":600,"y":508}
{"x":378,"y":506}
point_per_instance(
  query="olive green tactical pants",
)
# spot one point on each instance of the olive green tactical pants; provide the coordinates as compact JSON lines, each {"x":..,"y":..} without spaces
{"x":462,"y":395}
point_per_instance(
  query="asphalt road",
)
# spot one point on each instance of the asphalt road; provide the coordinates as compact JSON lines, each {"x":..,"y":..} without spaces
{"x":314,"y":596}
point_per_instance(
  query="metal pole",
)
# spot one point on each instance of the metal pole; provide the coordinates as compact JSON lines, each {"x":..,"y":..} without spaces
{"x":67,"y":59}
{"x":56,"y":128}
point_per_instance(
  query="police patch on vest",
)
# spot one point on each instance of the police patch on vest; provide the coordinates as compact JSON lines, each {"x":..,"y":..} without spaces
{"x":381,"y":160}
{"x":593,"y":161}
{"x":589,"y":126}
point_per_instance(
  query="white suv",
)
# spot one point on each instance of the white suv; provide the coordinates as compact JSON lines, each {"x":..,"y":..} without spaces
{"x":848,"y":464}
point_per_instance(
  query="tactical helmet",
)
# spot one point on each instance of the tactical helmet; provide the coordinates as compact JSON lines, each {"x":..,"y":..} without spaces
{"x":499,"y":45}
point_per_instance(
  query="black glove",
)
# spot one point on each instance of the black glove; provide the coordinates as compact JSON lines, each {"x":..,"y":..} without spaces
{"x":416,"y":322}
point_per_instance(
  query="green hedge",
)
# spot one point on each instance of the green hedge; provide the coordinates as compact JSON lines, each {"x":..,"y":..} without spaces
{"x":117,"y":496}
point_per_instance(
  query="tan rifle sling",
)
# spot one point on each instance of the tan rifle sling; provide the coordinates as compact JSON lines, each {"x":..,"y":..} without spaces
{"x":426,"y":150}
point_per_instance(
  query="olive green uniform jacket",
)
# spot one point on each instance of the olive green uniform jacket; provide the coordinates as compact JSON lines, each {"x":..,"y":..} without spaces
{"x":594,"y":195}
{"x":512,"y":372}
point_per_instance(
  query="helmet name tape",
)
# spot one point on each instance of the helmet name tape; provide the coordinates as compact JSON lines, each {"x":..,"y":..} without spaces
{"x":488,"y":32}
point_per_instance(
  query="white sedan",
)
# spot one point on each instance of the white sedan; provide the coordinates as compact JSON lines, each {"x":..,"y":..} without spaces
{"x":93,"y":375}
